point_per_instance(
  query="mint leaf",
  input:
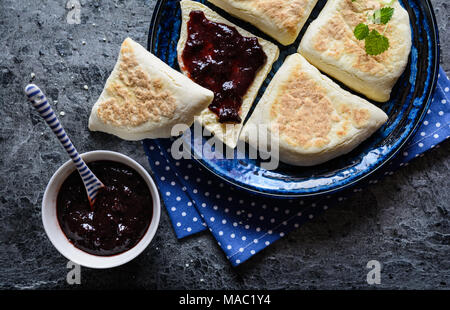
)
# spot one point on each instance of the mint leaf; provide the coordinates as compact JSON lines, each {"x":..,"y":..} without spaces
{"x":361,"y":31}
{"x":376,"y":43}
{"x":386,"y":14}
{"x":383,"y":15}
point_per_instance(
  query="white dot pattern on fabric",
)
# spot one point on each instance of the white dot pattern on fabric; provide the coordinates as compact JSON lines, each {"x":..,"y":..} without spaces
{"x":244,"y":224}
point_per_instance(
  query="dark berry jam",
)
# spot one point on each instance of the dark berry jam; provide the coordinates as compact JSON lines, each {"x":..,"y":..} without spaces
{"x":218,"y":58}
{"x":121,"y":214}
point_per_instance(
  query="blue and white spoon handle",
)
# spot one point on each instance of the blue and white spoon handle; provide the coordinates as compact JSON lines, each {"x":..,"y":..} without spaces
{"x":40,"y":102}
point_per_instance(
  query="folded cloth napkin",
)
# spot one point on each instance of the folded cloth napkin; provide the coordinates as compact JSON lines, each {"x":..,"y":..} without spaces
{"x":243,"y":223}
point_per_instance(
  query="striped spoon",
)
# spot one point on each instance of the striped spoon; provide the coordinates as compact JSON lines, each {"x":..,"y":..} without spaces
{"x":40,"y":102}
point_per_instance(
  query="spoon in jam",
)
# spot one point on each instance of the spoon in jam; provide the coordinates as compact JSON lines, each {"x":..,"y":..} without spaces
{"x":40,"y":103}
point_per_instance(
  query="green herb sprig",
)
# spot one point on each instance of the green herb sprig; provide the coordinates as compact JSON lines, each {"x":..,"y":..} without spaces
{"x":375,"y":42}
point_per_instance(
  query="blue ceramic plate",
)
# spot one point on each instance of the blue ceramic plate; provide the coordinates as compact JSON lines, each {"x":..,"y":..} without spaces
{"x":409,"y":100}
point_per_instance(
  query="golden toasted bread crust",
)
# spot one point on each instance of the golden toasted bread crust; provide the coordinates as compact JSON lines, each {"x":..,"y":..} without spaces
{"x":135,"y":98}
{"x":302,"y":113}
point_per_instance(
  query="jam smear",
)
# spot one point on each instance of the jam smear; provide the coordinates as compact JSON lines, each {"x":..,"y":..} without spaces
{"x":218,"y":58}
{"x":121,"y":215}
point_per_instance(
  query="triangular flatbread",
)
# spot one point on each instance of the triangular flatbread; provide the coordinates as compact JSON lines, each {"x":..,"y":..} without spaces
{"x":281,"y":19}
{"x":227,"y":133}
{"x":310,"y":117}
{"x":330,"y":44}
{"x":144,"y":98}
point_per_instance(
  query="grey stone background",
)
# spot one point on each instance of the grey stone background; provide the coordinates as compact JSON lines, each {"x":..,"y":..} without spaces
{"x":403,"y":222}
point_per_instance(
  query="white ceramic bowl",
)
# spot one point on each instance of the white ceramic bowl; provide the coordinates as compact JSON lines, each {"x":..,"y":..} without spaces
{"x":59,"y":239}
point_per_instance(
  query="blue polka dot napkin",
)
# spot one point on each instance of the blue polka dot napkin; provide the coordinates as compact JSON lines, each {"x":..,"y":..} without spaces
{"x":243,"y":223}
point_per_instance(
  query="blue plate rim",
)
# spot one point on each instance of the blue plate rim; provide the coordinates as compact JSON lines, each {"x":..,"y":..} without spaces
{"x":435,"y":71}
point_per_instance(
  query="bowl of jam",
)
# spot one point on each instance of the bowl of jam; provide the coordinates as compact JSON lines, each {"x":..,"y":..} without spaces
{"x":120,"y":224}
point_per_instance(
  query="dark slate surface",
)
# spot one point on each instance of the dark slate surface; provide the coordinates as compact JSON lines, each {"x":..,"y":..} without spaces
{"x":403,"y":222}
